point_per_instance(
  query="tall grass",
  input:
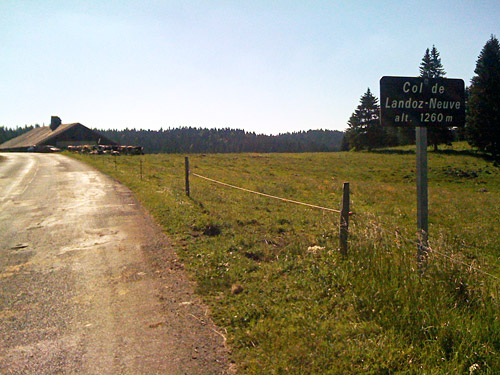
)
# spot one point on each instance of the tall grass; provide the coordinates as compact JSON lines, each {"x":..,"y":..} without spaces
{"x":290,"y":303}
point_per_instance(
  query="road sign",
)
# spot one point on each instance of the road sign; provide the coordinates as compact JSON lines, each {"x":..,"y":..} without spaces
{"x":420,"y":103}
{"x":416,"y":101}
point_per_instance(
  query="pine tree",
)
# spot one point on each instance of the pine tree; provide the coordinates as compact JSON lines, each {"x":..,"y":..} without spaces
{"x":365,"y":130}
{"x":426,"y":65}
{"x":431,"y":67}
{"x":436,"y":67}
{"x":483,"y":117}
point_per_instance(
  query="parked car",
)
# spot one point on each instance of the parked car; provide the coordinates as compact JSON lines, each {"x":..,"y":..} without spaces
{"x":47,"y":148}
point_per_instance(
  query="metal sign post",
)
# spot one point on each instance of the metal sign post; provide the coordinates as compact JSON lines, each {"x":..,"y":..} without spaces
{"x":421,"y":103}
{"x":422,"y":198}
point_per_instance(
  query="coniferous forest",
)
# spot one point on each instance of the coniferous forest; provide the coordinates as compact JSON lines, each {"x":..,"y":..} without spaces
{"x":200,"y":140}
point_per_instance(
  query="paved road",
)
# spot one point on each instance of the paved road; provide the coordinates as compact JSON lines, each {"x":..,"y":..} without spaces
{"x":88,"y":284}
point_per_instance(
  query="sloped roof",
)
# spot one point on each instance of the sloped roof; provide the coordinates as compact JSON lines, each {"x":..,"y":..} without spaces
{"x":37,"y":136}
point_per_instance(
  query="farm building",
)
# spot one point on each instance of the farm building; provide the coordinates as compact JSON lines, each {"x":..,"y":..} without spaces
{"x":58,"y":135}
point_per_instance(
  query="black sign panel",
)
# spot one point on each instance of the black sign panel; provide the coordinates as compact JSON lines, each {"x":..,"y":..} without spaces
{"x":416,"y":101}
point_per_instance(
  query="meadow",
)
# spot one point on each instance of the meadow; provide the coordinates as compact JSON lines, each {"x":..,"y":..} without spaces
{"x":290,"y":303}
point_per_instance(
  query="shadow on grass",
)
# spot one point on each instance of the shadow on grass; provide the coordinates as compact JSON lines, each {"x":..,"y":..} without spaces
{"x":475,"y":154}
{"x":395,"y":152}
{"x":200,"y":205}
{"x":451,"y":152}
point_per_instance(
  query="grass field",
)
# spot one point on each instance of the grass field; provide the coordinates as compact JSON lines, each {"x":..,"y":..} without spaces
{"x":290,"y":303}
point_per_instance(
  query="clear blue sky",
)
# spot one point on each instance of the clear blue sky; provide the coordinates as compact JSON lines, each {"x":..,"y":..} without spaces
{"x":264,"y":66}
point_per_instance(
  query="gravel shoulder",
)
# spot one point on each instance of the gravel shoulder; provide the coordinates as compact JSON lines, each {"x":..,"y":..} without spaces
{"x":88,"y":282}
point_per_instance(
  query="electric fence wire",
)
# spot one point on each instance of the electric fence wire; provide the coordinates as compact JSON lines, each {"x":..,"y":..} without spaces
{"x":266,"y":195}
{"x":469,"y":266}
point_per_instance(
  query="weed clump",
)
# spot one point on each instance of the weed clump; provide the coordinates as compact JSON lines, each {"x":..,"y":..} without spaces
{"x":212,"y":230}
{"x":208,"y":227}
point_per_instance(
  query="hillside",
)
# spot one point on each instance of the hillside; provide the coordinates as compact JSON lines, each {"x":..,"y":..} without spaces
{"x":290,"y":303}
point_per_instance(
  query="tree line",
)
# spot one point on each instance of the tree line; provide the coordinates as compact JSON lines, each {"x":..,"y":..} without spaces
{"x":482,"y":128}
{"x":202,"y":140}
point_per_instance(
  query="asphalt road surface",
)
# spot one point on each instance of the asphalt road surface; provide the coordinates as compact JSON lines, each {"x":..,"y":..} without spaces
{"x":88,"y":283}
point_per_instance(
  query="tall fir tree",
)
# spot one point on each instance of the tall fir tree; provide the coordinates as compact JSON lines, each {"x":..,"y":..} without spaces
{"x":436,"y":67}
{"x":483,"y":114}
{"x":365,"y":130}
{"x":426,"y":65}
{"x":431,"y":67}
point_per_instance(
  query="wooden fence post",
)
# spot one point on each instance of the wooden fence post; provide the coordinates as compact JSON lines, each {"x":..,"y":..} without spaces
{"x":344,"y":220}
{"x":186,"y":164}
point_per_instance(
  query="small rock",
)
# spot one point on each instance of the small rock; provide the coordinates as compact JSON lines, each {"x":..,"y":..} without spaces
{"x":236,"y":289}
{"x":19,"y":246}
{"x":315,"y":249}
